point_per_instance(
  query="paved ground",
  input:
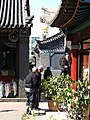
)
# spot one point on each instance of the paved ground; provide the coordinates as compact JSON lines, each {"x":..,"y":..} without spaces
{"x":11,"y":110}
{"x":14,"y":111}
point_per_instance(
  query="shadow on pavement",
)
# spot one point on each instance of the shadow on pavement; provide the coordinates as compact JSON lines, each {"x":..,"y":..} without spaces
{"x":7,"y":110}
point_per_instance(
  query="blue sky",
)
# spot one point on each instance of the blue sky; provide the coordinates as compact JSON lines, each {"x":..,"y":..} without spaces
{"x":35,"y":5}
{"x":35,"y":9}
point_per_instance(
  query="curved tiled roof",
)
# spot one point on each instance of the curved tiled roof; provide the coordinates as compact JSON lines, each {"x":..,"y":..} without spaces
{"x":53,"y":44}
{"x":14,"y":13}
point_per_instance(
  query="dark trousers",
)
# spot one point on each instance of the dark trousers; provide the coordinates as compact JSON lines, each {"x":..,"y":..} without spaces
{"x":31,"y":98}
{"x":38,"y":96}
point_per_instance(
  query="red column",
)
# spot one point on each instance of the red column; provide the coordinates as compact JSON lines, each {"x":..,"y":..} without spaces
{"x":85,"y":58}
{"x":73,"y":66}
{"x":85,"y":61}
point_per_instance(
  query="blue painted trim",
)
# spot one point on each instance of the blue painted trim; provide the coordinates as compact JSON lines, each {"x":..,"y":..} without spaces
{"x":87,"y":1}
{"x":82,"y":26}
{"x":84,"y":7}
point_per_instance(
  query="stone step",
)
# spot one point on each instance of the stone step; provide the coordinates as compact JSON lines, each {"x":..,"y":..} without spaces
{"x":18,"y":99}
{"x":12,"y":99}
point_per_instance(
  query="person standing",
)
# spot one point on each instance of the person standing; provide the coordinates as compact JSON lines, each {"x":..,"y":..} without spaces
{"x":3,"y":90}
{"x":31,"y":89}
{"x":65,"y":71}
{"x":47,"y":73}
{"x":39,"y":74}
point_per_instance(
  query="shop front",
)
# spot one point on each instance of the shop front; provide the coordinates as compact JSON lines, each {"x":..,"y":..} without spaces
{"x":15,"y":30}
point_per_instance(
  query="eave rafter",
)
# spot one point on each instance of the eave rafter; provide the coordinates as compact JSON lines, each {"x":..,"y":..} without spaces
{"x":69,"y":19}
{"x":81,"y":12}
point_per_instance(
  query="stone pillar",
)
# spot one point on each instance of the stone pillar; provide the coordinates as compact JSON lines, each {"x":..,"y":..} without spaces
{"x":23,"y":60}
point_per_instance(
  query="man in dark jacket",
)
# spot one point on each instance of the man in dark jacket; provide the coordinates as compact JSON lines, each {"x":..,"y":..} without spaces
{"x":47,"y":73}
{"x":31,"y":88}
{"x":39,"y":76}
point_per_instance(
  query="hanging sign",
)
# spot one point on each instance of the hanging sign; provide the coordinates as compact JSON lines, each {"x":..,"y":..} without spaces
{"x":75,"y":47}
{"x":4,"y":73}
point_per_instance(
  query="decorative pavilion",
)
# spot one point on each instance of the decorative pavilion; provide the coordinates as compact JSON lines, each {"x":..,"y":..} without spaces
{"x":73,"y":17}
{"x":15,"y":29}
{"x":51,"y":52}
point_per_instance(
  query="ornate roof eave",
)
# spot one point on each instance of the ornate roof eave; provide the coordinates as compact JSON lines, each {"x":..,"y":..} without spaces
{"x":71,"y":13}
{"x":52,"y":38}
{"x":15,"y":14}
{"x":53,"y":44}
{"x":66,"y":14}
{"x":53,"y":51}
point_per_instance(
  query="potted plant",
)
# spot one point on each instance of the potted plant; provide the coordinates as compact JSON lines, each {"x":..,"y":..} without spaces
{"x":75,"y":102}
{"x":66,"y":94}
{"x":58,"y":89}
{"x":82,"y":101}
{"x":49,"y":87}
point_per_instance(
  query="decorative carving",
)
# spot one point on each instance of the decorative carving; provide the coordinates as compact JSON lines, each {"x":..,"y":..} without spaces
{"x":23,"y":33}
{"x":13,"y":37}
{"x":48,"y":15}
{"x":62,"y":61}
